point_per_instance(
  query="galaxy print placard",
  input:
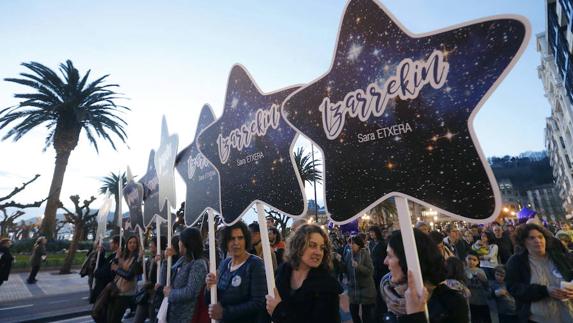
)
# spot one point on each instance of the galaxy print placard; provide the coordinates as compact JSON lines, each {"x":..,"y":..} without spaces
{"x":394,"y":114}
{"x":249,"y":145}
{"x":165,"y":164}
{"x":200,"y":177}
{"x":150,"y":184}
{"x":133,"y":195}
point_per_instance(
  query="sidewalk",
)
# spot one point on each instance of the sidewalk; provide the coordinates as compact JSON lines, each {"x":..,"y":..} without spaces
{"x":49,"y":283}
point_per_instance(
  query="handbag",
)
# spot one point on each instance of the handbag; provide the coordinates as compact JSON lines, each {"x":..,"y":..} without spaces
{"x":109,"y":291}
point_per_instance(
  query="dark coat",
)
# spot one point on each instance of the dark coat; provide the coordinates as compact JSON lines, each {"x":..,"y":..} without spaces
{"x":447,"y":305}
{"x":103,"y":275}
{"x":361,"y":288}
{"x":505,"y":247}
{"x":36,"y":258}
{"x":518,"y":278}
{"x":315,"y":301}
{"x":5,"y":263}
{"x":187,"y":282}
{"x":242,"y":292}
{"x":378,"y":254}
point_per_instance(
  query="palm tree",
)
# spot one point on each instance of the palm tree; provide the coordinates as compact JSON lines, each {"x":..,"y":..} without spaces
{"x":306,"y":166}
{"x":110,"y":183}
{"x":65,"y":106}
{"x":385,"y":211}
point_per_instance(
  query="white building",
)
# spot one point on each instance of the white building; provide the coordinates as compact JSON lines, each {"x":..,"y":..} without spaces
{"x":556,"y":73}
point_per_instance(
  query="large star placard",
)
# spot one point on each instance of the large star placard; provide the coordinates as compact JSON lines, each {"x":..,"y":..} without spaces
{"x":394,"y":114}
{"x":150,"y":183}
{"x":249,"y":146}
{"x":200,"y":177}
{"x":133,"y":195}
{"x":164,"y":165}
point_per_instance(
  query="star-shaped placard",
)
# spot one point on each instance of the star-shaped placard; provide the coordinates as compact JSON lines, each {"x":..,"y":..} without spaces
{"x":201,"y":178}
{"x":249,"y":146}
{"x":150,"y":183}
{"x":164,"y":165}
{"x":133,"y":195}
{"x":394,"y":114}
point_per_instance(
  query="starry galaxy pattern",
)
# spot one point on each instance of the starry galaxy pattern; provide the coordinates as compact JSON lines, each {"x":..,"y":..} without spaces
{"x":150,"y":183}
{"x":133,"y":195}
{"x":438,"y":163}
{"x":165,"y":165}
{"x":200,"y":177}
{"x":263,"y":170}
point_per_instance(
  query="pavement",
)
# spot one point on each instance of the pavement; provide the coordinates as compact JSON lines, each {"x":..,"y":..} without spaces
{"x":49,"y":283}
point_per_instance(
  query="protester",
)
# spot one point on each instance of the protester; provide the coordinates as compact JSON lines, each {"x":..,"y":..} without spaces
{"x":188,"y":278}
{"x":479,"y":287}
{"x":359,"y":270}
{"x":257,"y":246}
{"x":305,"y":291}
{"x":145,"y":308}
{"x":504,"y":301}
{"x":438,"y":239}
{"x":423,"y":226}
{"x":6,"y":259}
{"x":415,"y":303}
{"x":444,"y":305}
{"x":487,"y":253}
{"x":503,"y":242}
{"x":277,"y":244}
{"x":126,"y":266}
{"x":240,"y":280}
{"x":465,"y":244}
{"x":377,"y":248}
{"x":452,"y":239}
{"x":534,"y":277}
{"x":103,"y":274}
{"x":38,"y":256}
{"x":456,"y":278}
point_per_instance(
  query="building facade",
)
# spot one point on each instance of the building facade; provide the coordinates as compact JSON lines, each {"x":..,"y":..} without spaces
{"x":546,"y":201}
{"x":556,"y":73}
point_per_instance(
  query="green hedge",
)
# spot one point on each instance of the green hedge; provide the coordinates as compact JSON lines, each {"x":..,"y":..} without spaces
{"x":52,"y":259}
{"x":26,"y":245}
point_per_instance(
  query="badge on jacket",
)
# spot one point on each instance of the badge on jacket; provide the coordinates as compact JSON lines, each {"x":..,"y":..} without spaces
{"x":236,"y":282}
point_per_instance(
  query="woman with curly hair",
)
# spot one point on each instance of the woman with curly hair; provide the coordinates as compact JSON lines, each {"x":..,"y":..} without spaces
{"x":534,"y":277}
{"x":306,"y":292}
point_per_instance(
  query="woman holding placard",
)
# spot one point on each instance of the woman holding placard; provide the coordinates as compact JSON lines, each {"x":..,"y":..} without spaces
{"x":444,"y":304}
{"x":306,"y":291}
{"x":539,"y":277}
{"x":127,"y":266}
{"x":188,"y":277}
{"x":240,"y":280}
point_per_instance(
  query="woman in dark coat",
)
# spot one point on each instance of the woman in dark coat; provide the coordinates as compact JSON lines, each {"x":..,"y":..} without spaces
{"x":306,"y":292}
{"x":444,"y":305}
{"x":534,"y":277}
{"x":6,"y":259}
{"x":38,"y":255}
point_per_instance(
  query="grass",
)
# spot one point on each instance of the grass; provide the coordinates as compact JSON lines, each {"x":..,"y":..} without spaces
{"x":22,"y":261}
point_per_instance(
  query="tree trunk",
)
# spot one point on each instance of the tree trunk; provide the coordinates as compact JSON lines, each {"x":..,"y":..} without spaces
{"x":48,"y":227}
{"x":78,"y":232}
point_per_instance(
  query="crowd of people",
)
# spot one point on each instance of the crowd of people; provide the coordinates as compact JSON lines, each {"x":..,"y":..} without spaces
{"x":522,"y":273}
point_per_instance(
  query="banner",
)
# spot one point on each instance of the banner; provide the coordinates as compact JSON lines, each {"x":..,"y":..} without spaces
{"x":200,"y":177}
{"x":150,"y":184}
{"x":133,"y":195}
{"x":164,"y":162}
{"x":250,"y":145}
{"x":394,"y":114}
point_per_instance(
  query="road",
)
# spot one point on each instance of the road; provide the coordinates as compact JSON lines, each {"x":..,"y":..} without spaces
{"x":39,"y":308}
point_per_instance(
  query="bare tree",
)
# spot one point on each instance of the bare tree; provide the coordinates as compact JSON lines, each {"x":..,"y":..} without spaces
{"x":78,"y":219}
{"x":8,"y":220}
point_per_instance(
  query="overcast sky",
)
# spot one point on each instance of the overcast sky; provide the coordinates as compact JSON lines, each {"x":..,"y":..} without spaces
{"x":172,"y":57}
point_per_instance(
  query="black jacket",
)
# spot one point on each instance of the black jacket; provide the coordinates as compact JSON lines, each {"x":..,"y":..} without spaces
{"x":5,"y":263}
{"x":378,"y":254}
{"x":447,"y":305}
{"x":103,"y":275}
{"x":518,"y":278}
{"x":315,"y":301}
